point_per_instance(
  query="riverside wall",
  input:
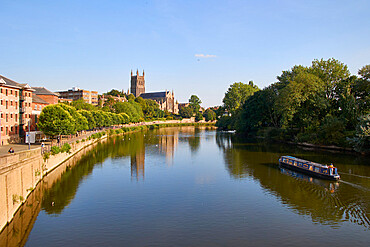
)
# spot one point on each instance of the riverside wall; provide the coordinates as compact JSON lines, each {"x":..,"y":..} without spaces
{"x":21,"y":172}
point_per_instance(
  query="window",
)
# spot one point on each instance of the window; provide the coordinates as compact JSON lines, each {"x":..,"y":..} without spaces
{"x":11,"y":92}
{"x":6,"y":92}
{"x":11,"y":129}
{"x":1,"y":102}
{"x":1,"y":115}
{"x":16,"y":94}
{"x":16,"y":129}
{"x":40,"y":107}
{"x":6,"y":104}
{"x":6,"y":130}
{"x":11,"y":115}
{"x":11,"y":103}
{"x":35,"y":107}
{"x":6,"y":117}
{"x":16,"y":117}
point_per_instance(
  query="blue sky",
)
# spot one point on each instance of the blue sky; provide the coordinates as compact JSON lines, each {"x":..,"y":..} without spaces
{"x":95,"y":44}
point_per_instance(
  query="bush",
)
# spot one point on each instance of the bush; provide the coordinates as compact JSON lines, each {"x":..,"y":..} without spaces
{"x":55,"y":150}
{"x":77,"y":142}
{"x":66,"y":148}
{"x":83,"y":140}
{"x":46,"y":156}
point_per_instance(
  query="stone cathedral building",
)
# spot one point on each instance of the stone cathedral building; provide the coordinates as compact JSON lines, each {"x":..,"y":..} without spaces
{"x":165,"y":99}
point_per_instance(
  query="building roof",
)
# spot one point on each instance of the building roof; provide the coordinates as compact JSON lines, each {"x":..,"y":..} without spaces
{"x":37,"y":99}
{"x":11,"y":83}
{"x":153,"y":95}
{"x":43,"y":91}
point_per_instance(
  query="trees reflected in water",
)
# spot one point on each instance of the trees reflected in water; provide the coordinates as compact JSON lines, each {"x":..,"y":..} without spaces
{"x":326,"y":202}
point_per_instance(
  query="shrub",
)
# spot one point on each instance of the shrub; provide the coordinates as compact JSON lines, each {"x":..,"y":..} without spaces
{"x":77,"y":142}
{"x":55,"y":150}
{"x":66,"y":148}
{"x":46,"y":156}
{"x":83,"y":140}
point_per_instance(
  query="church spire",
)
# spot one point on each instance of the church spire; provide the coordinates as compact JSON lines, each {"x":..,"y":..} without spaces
{"x":131,"y":72}
{"x":137,"y":72}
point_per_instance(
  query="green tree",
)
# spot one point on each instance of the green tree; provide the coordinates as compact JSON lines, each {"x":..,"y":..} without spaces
{"x":116,"y":93}
{"x":80,"y":104}
{"x":186,"y":112}
{"x":80,"y":121}
{"x":54,"y":120}
{"x":198,"y":116}
{"x":209,"y":115}
{"x":237,"y":94}
{"x":195,"y":103}
{"x":89,"y":117}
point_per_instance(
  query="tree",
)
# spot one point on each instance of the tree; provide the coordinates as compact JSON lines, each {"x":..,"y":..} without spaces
{"x":198,"y":116}
{"x":80,"y":104}
{"x":80,"y":121}
{"x":89,"y":117}
{"x":195,"y":103}
{"x":130,"y":97}
{"x":331,"y":72}
{"x":209,"y":115}
{"x":54,"y":120}
{"x":237,"y":94}
{"x":186,"y":112}
{"x":115,"y":92}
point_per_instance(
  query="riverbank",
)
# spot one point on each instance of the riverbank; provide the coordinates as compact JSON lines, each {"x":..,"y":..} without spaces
{"x":22,"y":171}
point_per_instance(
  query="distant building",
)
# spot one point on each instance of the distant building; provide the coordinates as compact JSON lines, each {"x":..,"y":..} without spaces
{"x":166,"y":99}
{"x":182,"y":105}
{"x":15,"y":110}
{"x":137,"y":83}
{"x":75,"y":93}
{"x":47,"y":95}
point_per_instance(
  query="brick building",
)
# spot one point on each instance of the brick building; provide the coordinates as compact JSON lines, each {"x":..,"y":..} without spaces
{"x":15,"y":110}
{"x":47,"y":95}
{"x":75,"y":93}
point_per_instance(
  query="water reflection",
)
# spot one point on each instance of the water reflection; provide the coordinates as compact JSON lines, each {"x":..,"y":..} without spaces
{"x":324,"y":201}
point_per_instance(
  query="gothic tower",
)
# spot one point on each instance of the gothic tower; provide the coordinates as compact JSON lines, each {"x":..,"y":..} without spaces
{"x":137,"y":83}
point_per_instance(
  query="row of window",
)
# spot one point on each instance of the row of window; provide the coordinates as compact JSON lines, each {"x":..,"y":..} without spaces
{"x":13,"y":130}
{"x":10,"y":92}
{"x":38,"y":107}
{"x":15,"y":103}
{"x":11,"y":116}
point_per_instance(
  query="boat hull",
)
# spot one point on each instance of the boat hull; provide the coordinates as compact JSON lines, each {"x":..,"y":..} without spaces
{"x":309,"y":172}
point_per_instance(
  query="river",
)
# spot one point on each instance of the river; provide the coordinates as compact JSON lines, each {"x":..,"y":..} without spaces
{"x":189,"y":186}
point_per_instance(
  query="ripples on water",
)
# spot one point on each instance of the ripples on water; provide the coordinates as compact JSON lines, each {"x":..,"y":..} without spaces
{"x":192,"y":186}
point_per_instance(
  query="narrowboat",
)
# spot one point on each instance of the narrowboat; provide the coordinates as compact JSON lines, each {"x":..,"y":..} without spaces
{"x":315,"y":169}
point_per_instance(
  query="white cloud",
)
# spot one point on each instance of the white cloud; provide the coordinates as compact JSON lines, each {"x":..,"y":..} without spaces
{"x":204,"y":55}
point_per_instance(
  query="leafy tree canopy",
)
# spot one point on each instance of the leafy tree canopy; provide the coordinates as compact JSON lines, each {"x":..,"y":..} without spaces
{"x":237,"y":94}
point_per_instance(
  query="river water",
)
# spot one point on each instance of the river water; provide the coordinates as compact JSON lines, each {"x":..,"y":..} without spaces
{"x":193,"y":186}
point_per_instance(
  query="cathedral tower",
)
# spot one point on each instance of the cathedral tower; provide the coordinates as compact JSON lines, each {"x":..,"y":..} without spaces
{"x":137,"y":84}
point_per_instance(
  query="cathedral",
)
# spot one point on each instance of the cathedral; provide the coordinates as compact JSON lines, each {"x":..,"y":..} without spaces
{"x":165,"y":99}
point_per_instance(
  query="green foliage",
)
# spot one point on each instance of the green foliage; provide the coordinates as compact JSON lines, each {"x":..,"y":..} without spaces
{"x":116,"y":93}
{"x":237,"y":94}
{"x":55,"y":120}
{"x":194,"y":103}
{"x":362,"y":138}
{"x":80,"y":121}
{"x":66,"y":148}
{"x":80,"y":104}
{"x":198,"y":116}
{"x":320,"y":104}
{"x":46,"y":156}
{"x":55,"y":150}
{"x":209,"y":115}
{"x":89,"y":117}
{"x":186,"y":112}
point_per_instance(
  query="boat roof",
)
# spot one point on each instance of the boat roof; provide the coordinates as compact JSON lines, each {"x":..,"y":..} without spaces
{"x":304,"y":161}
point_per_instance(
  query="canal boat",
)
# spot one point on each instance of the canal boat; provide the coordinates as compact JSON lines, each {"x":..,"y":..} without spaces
{"x":315,"y":169}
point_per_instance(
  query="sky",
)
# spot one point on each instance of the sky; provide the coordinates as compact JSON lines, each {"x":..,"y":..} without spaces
{"x":191,"y":47}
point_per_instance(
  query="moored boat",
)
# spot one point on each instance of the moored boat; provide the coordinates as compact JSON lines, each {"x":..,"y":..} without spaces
{"x":315,"y":169}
